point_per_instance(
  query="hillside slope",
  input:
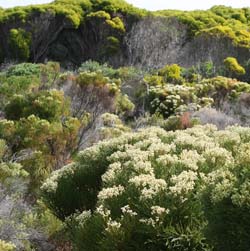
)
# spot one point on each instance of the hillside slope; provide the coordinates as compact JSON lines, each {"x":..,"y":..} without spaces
{"x":71,"y":32}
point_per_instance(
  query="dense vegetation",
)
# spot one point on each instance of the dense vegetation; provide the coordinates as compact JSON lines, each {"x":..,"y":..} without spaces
{"x":48,"y":115}
{"x":218,"y":21}
{"x":106,"y":25}
{"x":102,"y":158}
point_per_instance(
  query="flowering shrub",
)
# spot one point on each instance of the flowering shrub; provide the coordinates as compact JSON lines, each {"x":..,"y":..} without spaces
{"x":158,"y":190}
{"x":166,"y":99}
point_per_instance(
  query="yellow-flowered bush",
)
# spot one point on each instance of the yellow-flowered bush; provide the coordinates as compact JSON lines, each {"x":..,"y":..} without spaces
{"x":158,"y":190}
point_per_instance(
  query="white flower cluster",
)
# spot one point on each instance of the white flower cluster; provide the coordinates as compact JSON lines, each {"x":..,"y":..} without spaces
{"x":191,"y":159}
{"x":159,"y":211}
{"x":111,"y":172}
{"x":127,"y":210}
{"x":110,"y":192}
{"x":51,"y":184}
{"x":149,"y":185}
{"x":218,"y":156}
{"x":183,"y":183}
{"x":81,"y":218}
{"x":149,"y":221}
{"x":105,"y":213}
{"x":112,"y":226}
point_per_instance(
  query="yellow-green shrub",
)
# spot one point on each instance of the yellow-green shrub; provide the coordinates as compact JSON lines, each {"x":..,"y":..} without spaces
{"x":233,"y":67}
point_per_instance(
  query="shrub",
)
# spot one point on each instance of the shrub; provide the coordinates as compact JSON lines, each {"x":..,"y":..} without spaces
{"x":179,"y":122}
{"x":233,"y":67}
{"x":212,"y":116}
{"x":19,"y":41}
{"x":166,"y":99}
{"x":158,"y":190}
{"x":117,"y":24}
{"x":171,"y":73}
{"x":49,"y":105}
{"x":93,"y":66}
{"x":99,"y":14}
{"x":24,"y":69}
{"x":124,"y":106}
{"x":113,"y":45}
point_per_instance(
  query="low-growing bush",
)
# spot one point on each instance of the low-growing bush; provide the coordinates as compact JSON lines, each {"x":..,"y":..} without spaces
{"x":212,"y":116}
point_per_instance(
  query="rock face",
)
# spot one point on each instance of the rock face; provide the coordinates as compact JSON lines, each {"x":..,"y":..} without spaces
{"x":153,"y":42}
{"x":149,"y":42}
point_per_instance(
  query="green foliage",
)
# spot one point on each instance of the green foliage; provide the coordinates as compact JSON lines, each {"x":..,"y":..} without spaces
{"x":113,"y":45}
{"x":45,"y":143}
{"x":233,"y":67}
{"x":93,"y":66}
{"x":171,"y":73}
{"x":43,"y":218}
{"x":2,"y":148}
{"x":124,"y":105}
{"x":24,"y":69}
{"x":167,"y":99}
{"x":49,"y":105}
{"x":99,"y":14}
{"x":220,"y":31}
{"x":117,"y":24}
{"x":73,"y":11}
{"x":203,"y":70}
{"x":97,"y":79}
{"x":26,"y":78}
{"x":19,"y":41}
{"x":221,"y":88}
{"x":219,"y":21}
{"x":226,"y":202}
{"x":115,"y":6}
{"x":40,"y":130}
{"x":179,"y":122}
{"x":9,"y":170}
{"x":154,"y":80}
{"x":77,"y":189}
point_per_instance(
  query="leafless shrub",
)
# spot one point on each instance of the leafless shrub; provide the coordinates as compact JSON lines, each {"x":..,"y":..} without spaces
{"x":88,"y":99}
{"x":218,"y":118}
